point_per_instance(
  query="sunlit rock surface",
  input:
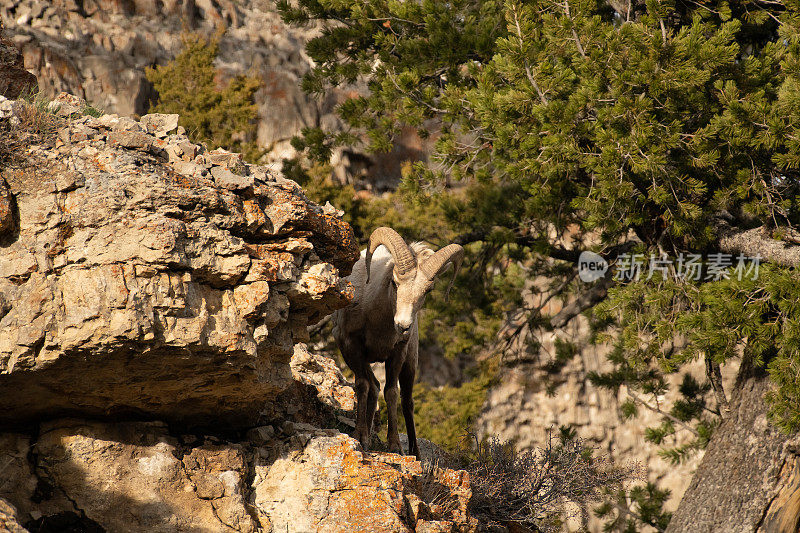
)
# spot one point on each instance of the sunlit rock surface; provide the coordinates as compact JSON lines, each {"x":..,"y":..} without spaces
{"x":135,"y":282}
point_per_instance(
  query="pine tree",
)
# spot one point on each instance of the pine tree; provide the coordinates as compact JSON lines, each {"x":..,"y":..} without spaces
{"x":220,"y":116}
{"x":657,"y":127}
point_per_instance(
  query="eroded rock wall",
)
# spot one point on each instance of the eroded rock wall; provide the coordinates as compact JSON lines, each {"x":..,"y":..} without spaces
{"x":98,"y":50}
{"x":147,"y":276}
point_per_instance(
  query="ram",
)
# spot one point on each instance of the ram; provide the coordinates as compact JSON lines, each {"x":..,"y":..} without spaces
{"x":381,"y":325}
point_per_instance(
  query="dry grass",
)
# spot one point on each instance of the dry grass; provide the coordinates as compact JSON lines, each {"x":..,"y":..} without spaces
{"x":37,"y":126}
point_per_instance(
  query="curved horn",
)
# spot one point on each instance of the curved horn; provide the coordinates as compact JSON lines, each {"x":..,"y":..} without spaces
{"x":404,"y":261}
{"x":452,"y":253}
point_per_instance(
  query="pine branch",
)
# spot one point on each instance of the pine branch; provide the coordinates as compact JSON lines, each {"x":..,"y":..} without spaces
{"x":527,"y":66}
{"x":663,"y":413}
{"x":570,"y":255}
{"x":574,"y":33}
{"x":622,"y":509}
{"x":585,"y":301}
{"x":715,"y":377}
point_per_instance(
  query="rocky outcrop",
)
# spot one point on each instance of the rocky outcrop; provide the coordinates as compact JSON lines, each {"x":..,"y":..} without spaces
{"x":333,"y":480}
{"x":99,"y":50}
{"x":154,"y":300}
{"x":8,"y":518}
{"x":148,"y":276}
{"x":14,"y":79}
{"x":139,"y":476}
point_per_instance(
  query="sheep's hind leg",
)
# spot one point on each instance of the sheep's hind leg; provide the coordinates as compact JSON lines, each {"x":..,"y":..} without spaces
{"x":391,"y":394}
{"x":353,"y":354}
{"x":372,"y":401}
{"x":407,"y":375}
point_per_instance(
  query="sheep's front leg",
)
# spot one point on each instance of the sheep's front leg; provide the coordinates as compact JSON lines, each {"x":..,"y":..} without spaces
{"x":363,"y":424}
{"x":391,"y":394}
{"x":365,"y":388}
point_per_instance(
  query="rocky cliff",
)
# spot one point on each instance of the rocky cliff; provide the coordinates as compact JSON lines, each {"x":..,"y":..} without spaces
{"x":182,"y":277}
{"x":98,"y":51}
{"x":154,"y":298}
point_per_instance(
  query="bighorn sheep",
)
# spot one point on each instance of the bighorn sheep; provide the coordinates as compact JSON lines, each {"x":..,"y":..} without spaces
{"x":380,"y":325}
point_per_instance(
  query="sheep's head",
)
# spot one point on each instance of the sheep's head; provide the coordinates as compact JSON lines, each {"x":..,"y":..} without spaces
{"x":414,"y":273}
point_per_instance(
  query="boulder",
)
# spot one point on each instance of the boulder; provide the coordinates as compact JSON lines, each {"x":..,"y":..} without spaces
{"x":133,"y":289}
{"x":330,"y":485}
{"x":140,"y":476}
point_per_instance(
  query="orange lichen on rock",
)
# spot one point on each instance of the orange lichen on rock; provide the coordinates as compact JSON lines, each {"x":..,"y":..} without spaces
{"x":350,"y":491}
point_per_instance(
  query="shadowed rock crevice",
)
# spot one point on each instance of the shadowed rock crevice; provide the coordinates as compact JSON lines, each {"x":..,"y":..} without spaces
{"x":140,"y":476}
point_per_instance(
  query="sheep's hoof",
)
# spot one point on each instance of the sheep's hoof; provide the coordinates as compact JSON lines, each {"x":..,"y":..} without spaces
{"x":364,"y":439}
{"x":394,"y":447}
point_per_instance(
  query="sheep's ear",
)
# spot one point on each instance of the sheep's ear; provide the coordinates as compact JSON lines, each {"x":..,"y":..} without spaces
{"x":424,"y":254}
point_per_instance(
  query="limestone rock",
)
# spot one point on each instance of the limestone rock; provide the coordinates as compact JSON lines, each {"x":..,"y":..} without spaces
{"x":135,"y":285}
{"x":9,"y":109}
{"x":141,"y":469}
{"x":331,"y":486}
{"x":8,"y":518}
{"x":322,"y":373}
{"x":133,"y":288}
{"x":138,"y":476}
{"x":228,"y":180}
{"x":66,"y":104}
{"x":160,"y":124}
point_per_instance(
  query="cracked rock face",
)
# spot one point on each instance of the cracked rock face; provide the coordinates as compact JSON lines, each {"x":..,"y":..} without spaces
{"x":134,"y":282}
{"x":138,"y":476}
{"x":140,"y":468}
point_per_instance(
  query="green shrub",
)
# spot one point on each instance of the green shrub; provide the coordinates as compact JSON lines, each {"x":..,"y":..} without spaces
{"x":219,"y":116}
